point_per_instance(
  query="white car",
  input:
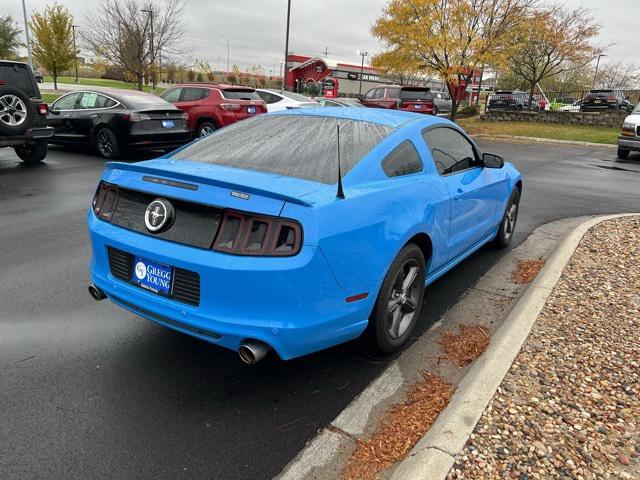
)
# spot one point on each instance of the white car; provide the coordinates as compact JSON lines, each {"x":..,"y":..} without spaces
{"x":574,"y":107}
{"x":629,"y":138}
{"x":282,"y":100}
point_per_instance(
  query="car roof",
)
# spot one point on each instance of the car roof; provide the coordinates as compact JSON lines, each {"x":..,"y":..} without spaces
{"x":389,"y":118}
{"x":220,"y":86}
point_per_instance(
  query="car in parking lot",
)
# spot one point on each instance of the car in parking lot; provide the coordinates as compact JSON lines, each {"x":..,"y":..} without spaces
{"x":23,"y":113}
{"x":629,"y":138}
{"x":300,"y":229}
{"x":599,"y":100}
{"x":401,"y":97}
{"x":508,"y":100}
{"x":213,"y":106}
{"x":278,"y":100}
{"x":442,"y":102}
{"x":339,"y":102}
{"x":115,"y":122}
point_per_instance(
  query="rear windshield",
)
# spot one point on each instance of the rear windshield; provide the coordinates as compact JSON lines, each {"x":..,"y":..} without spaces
{"x":18,"y":76}
{"x":239,"y":94}
{"x":292,"y":145}
{"x":415,"y":94}
{"x":144,"y":101}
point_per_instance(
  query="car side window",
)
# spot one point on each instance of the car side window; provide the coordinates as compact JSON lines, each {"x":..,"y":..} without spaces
{"x":379,"y":93}
{"x":268,"y":98}
{"x":393,"y":92}
{"x":91,"y":100}
{"x":194,"y":94}
{"x":450,"y":150}
{"x":403,"y":160}
{"x":369,"y":95}
{"x":172,"y":95}
{"x":67,"y":102}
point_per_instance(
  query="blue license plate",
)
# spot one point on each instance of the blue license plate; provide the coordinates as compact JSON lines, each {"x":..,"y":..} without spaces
{"x":418,"y":107}
{"x":152,"y":276}
{"x":251,"y":109}
{"x":167,"y":123}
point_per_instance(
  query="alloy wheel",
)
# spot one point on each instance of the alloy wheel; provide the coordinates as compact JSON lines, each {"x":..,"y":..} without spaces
{"x":105,"y":144}
{"x":404,"y":299}
{"x":205,"y":130}
{"x":510,"y":217}
{"x":13,"y":111}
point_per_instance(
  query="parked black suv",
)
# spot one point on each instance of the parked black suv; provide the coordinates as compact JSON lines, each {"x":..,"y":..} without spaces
{"x":598,"y":100}
{"x":509,"y":100}
{"x":23,"y":114}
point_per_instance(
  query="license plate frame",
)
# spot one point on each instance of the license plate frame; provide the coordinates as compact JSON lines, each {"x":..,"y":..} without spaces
{"x":155,"y":277}
{"x":168,"y":124}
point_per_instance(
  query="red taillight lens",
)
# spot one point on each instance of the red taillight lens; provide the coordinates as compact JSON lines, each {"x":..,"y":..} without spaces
{"x":105,"y":201}
{"x":43,"y":109}
{"x":246,"y":234}
{"x":231,"y":106}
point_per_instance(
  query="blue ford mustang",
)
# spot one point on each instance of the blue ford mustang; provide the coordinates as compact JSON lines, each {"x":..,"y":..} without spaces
{"x":298,"y":230}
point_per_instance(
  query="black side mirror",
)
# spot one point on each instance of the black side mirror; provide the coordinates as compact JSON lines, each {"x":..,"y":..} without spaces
{"x":360,"y":97}
{"x":490,"y":160}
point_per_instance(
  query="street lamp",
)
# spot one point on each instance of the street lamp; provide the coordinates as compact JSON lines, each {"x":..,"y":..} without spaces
{"x":286,"y":45}
{"x":362,"y":53}
{"x":597,"y":65}
{"x":26,"y":33}
{"x":225,"y":37}
{"x":75,"y":51}
{"x":153,"y":53}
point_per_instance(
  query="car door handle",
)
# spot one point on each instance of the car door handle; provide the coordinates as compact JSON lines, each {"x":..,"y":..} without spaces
{"x":458,"y":195}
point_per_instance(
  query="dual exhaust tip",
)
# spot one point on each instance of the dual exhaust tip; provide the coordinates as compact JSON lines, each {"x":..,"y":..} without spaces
{"x":251,"y":351}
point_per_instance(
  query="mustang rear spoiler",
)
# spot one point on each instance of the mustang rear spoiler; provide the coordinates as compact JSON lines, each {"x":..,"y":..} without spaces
{"x":186,"y":177}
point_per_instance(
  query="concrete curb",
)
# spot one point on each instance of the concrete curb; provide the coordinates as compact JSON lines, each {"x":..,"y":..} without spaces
{"x":433,"y":456}
{"x":489,"y":136}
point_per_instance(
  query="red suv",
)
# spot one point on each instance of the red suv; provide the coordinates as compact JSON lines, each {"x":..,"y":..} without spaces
{"x":213,"y":106}
{"x":400,"y":97}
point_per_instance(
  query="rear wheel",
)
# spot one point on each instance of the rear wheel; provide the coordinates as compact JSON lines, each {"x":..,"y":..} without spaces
{"x":623,"y":154}
{"x":508,"y":224}
{"x":398,"y":305}
{"x":32,"y":153}
{"x":206,"y":128}
{"x":106,"y":144}
{"x":435,"y":110}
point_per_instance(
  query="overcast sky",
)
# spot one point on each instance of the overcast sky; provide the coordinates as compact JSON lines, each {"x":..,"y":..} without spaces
{"x":255,"y":28}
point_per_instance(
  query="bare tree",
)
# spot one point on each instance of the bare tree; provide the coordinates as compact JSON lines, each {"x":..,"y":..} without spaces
{"x":121,"y":33}
{"x":552,"y":41}
{"x":619,"y":76}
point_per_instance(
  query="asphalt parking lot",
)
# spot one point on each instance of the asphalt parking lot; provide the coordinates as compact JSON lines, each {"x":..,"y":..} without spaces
{"x":88,"y":390}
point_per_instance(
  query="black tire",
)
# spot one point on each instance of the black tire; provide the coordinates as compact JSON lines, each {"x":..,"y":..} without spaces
{"x":106,"y":144}
{"x":206,"y":128}
{"x":407,"y":301}
{"x":509,"y":220}
{"x":435,"y":110}
{"x":16,"y":111}
{"x":623,"y":154}
{"x":32,"y":153}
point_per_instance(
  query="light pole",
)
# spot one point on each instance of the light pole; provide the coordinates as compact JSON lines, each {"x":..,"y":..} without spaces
{"x":153,"y":52}
{"x":75,"y":51}
{"x":225,"y":37}
{"x":286,"y":45}
{"x":595,"y":75}
{"x":362,"y":53}
{"x":26,"y":33}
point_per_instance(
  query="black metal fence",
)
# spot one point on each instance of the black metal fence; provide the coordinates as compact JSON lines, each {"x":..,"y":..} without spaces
{"x":565,"y":101}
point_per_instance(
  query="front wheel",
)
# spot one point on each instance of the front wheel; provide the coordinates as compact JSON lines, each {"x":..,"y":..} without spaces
{"x":206,"y":128}
{"x":397,"y":307}
{"x":32,"y":153}
{"x":508,"y":224}
{"x":623,"y":154}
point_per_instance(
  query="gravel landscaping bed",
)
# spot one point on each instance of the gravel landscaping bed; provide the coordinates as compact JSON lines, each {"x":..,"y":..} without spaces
{"x":569,"y":408}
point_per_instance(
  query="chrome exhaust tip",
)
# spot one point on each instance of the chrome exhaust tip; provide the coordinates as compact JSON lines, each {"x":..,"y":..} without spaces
{"x":253,"y":351}
{"x":96,"y":293}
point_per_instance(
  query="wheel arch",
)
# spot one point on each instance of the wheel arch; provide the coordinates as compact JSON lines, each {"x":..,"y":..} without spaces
{"x":423,"y":241}
{"x":203,"y":119}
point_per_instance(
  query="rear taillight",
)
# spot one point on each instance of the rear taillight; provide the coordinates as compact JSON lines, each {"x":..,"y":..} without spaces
{"x":247,"y":234}
{"x":231,"y":106}
{"x":43,"y":109}
{"x":138,"y":117}
{"x":105,"y":201}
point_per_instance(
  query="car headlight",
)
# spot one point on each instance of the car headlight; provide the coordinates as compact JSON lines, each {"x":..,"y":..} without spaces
{"x":628,"y":126}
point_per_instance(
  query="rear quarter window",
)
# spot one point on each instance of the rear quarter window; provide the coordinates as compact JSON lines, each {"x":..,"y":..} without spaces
{"x":403,"y":160}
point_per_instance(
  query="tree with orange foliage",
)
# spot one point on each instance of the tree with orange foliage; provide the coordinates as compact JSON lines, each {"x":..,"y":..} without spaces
{"x":449,"y":38}
{"x":551,"y":41}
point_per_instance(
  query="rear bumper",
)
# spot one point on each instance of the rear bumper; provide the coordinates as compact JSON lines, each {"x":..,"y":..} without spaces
{"x":159,"y":141}
{"x":293,"y":304}
{"x":629,"y":143}
{"x":29,"y":136}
